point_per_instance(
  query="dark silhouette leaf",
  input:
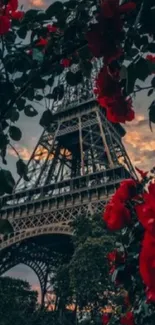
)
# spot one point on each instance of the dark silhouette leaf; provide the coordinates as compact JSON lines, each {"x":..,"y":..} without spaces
{"x":22,"y":32}
{"x":14,"y":116}
{"x":74,"y":79}
{"x":3,"y":140}
{"x":38,"y":97}
{"x":151,"y":114}
{"x":153,"y":82}
{"x":30,"y":111}
{"x":50,"y":81}
{"x":15,"y":133}
{"x":20,"y":104}
{"x":5,"y":226}
{"x":150,"y":92}
{"x":7,"y":182}
{"x":21,"y":168}
{"x":30,"y":15}
{"x":54,"y":9}
{"x":39,"y":83}
{"x":142,"y":69}
{"x":46,"y":119}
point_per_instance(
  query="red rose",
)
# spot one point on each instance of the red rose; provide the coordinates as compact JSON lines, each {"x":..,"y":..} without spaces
{"x":151,"y":189}
{"x":13,"y":5}
{"x":52,"y":28}
{"x":106,"y":84}
{"x":150,"y":294}
{"x":105,"y":319}
{"x":4,"y":25}
{"x":147,"y":261}
{"x":18,"y":15}
{"x":146,"y":215}
{"x":115,"y":256}
{"x":65,"y":63}
{"x":118,"y":108}
{"x":128,"y":319}
{"x":151,"y":58}
{"x":127,"y":190}
{"x":146,"y":210}
{"x":42,"y":42}
{"x":116,"y":215}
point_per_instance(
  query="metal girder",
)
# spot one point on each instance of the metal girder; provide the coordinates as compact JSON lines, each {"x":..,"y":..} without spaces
{"x":76,"y":166}
{"x":79,"y":143}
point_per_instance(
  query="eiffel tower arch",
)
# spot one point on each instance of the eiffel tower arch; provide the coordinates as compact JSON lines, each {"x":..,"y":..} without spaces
{"x":76,"y":166}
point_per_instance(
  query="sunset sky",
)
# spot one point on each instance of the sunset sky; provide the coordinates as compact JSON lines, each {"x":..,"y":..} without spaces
{"x":139,"y":142}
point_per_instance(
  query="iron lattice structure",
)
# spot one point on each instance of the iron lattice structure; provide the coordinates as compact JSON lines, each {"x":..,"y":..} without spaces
{"x":76,"y":166}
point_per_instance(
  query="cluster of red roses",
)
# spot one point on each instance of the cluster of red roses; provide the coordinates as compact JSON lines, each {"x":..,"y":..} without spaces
{"x":7,"y":13}
{"x":146,"y":215}
{"x":104,"y":41}
{"x":109,"y":93}
{"x":117,"y":216}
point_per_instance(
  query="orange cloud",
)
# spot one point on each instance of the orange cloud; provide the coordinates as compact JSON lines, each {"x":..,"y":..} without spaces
{"x":139,"y":143}
{"x":40,"y":154}
{"x":37,"y":3}
{"x":24,"y":152}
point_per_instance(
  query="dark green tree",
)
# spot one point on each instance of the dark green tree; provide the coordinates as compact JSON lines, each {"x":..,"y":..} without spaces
{"x":18,"y":303}
{"x":84,"y":281}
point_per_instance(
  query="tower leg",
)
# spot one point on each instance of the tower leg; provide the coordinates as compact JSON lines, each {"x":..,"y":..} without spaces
{"x":48,"y":299}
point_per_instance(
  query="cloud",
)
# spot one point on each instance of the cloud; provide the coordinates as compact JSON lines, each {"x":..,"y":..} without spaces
{"x":24,"y":152}
{"x":40,"y":154}
{"x":37,"y":3}
{"x":139,"y":143}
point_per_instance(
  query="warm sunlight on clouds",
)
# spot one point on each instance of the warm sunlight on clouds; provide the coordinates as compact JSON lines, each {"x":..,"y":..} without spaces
{"x":40,"y":154}
{"x":37,"y":3}
{"x":139,"y":143}
{"x":24,"y":153}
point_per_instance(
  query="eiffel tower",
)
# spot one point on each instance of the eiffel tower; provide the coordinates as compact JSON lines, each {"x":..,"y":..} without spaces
{"x":75,"y":167}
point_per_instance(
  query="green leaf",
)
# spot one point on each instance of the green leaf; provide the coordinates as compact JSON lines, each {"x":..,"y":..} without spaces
{"x":38,"y":97}
{"x":54,"y":9}
{"x":150,"y":92}
{"x":49,"y":96}
{"x":22,"y":169}
{"x":5,"y":227}
{"x":153,"y":82}
{"x":46,"y":119}
{"x":151,"y":114}
{"x":30,"y":15}
{"x":20,"y":104}
{"x":30,"y":111}
{"x":15,"y":133}
{"x":10,"y":37}
{"x":29,"y":94}
{"x":73,"y":79}
{"x":22,"y":32}
{"x":18,"y":82}
{"x":151,"y":48}
{"x":14,"y":116}
{"x":7,"y":182}
{"x":22,"y":63}
{"x":39,"y":83}
{"x":141,"y":69}
{"x":3,"y":140}
{"x":37,"y":55}
{"x":50,"y":81}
